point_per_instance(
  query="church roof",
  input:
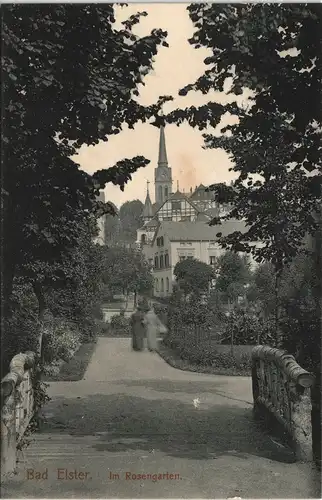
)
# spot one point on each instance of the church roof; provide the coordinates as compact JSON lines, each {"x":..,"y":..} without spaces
{"x":163,"y":159}
{"x":178,"y":195}
{"x":200,"y":231}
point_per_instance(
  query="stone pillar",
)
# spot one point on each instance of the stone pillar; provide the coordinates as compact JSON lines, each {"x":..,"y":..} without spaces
{"x":8,"y":435}
{"x":301,"y":422}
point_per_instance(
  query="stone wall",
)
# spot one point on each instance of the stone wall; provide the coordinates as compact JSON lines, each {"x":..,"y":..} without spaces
{"x":17,"y":406}
{"x":281,"y":392}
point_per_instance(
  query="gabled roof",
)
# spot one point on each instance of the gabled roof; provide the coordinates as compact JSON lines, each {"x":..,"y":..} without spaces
{"x":177,"y":196}
{"x":206,"y":195}
{"x":152,"y":223}
{"x":199,"y":231}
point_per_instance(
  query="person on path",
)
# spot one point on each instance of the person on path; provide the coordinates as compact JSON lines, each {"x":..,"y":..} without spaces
{"x":138,"y":327}
{"x":154,"y":327}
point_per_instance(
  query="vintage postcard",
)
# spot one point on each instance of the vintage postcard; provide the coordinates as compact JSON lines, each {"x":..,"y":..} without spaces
{"x":161,"y":250}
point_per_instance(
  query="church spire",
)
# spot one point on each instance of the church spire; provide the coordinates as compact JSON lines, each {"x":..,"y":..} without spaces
{"x":147,"y":213}
{"x":163,"y":159}
{"x":162,"y":174}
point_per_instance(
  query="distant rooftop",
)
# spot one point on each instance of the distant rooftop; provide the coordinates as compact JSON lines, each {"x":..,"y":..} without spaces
{"x":200,"y":231}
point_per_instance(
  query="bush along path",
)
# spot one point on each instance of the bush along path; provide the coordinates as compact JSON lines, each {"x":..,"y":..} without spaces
{"x":208,"y":360}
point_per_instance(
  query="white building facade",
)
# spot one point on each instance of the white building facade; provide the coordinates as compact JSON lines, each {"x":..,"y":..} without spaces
{"x":176,"y":241}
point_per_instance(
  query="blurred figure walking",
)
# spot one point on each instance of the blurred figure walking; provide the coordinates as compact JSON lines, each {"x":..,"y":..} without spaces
{"x":138,"y":327}
{"x":154,"y":327}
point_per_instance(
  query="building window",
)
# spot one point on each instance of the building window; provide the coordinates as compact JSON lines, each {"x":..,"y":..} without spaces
{"x":166,"y":261}
{"x":167,"y":284}
{"x":162,"y":285}
{"x":167,"y":218}
{"x":185,"y":243}
{"x":176,"y":206}
{"x":160,"y":193}
{"x":166,"y":192}
{"x":156,"y":284}
{"x":161,"y":262}
{"x":156,"y":262}
{"x":143,"y":239}
{"x":212,"y":260}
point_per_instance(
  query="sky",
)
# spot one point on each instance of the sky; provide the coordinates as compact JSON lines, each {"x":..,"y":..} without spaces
{"x":174,"y":68}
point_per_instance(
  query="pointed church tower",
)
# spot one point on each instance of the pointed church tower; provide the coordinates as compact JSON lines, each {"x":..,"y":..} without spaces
{"x":147,"y":213}
{"x":162,"y":174}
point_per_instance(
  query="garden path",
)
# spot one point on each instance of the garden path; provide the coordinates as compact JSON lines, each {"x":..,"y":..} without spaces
{"x":134,"y":414}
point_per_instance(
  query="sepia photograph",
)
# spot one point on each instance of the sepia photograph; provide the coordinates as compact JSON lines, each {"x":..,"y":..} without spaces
{"x":161,"y":240}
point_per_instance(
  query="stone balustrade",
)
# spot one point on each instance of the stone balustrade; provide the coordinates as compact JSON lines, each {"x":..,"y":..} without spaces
{"x":281,"y":392}
{"x":17,"y":407}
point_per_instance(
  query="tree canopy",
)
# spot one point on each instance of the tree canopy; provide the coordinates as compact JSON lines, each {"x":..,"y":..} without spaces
{"x":130,"y":219}
{"x":232,"y":274}
{"x":69,"y":78}
{"x":193,"y":276}
{"x":125,"y":269}
{"x":274,"y":53}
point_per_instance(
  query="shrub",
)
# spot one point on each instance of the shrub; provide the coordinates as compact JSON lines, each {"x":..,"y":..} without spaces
{"x":120,"y":324}
{"x":61,"y":341}
{"x":227,"y":360}
{"x":245,"y":327}
{"x":206,"y":355}
{"x":20,"y":332}
{"x":103,"y":328}
{"x":161,"y":310}
{"x":197,"y":354}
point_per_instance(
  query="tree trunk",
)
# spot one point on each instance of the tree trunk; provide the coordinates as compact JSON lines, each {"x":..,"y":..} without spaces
{"x":232,"y":342}
{"x":8,"y":245}
{"x":278,"y":334}
{"x":316,"y":338}
{"x":259,"y":332}
{"x":7,"y":275}
{"x":41,"y":313}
